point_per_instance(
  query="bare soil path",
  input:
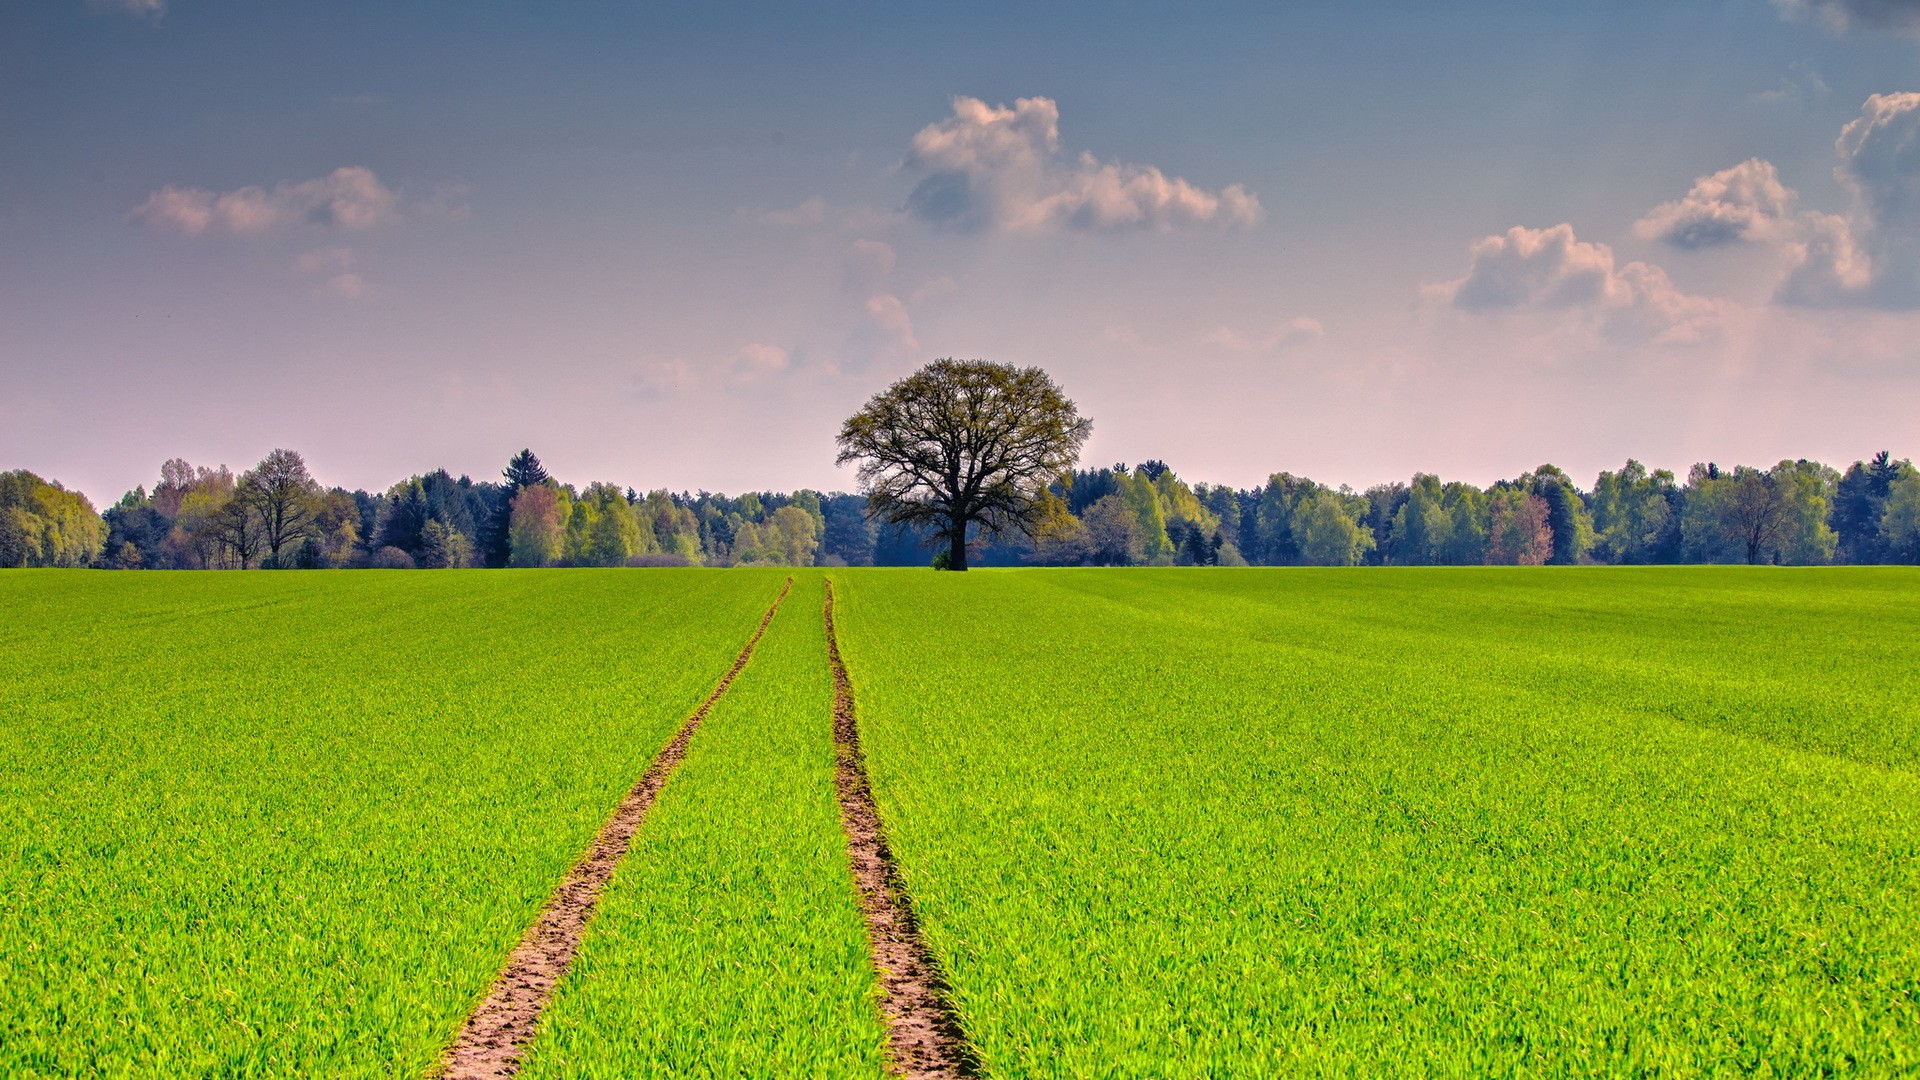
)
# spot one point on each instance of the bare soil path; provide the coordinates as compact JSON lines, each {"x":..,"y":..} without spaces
{"x":924,"y":1034}
{"x":496,"y":1033}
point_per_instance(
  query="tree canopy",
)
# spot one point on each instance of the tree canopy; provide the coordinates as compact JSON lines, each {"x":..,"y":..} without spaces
{"x":965,"y":443}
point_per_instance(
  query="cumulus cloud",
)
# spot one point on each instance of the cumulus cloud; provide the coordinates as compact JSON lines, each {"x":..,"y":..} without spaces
{"x":351,"y":197}
{"x":1838,"y":16}
{"x":1745,"y":203}
{"x":1551,"y":270}
{"x":756,"y":363}
{"x":1873,"y":256}
{"x":994,"y":167}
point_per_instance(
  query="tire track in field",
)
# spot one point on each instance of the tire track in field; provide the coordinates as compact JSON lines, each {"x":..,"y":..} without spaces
{"x":925,"y":1038}
{"x":498,"y":1030}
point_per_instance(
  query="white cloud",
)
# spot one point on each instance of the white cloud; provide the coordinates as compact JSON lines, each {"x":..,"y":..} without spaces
{"x":1745,"y":203}
{"x":1838,"y":16}
{"x":1296,"y":331}
{"x":1873,"y":256}
{"x":350,"y":197}
{"x":756,"y":363}
{"x":994,"y":167}
{"x":1552,"y":271}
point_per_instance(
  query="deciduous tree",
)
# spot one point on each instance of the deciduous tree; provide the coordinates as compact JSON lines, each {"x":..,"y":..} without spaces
{"x":964,"y":444}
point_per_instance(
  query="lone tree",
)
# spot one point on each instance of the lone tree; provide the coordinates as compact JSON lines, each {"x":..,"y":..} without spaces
{"x":965,"y":442}
{"x":285,"y":497}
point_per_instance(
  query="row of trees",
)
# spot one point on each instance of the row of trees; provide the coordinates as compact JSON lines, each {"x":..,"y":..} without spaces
{"x":275,"y":515}
{"x":1795,"y":513}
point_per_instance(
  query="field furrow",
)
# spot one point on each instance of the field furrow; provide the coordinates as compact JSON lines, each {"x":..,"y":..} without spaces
{"x":288,"y":824}
{"x":1281,"y":822}
{"x":925,"y":1039}
{"x":729,"y":942}
{"x":495,"y":1035}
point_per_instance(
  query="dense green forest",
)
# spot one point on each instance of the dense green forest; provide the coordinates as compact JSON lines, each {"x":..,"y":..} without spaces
{"x":276,"y":515}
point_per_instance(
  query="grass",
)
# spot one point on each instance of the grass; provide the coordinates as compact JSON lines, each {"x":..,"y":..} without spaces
{"x":290,"y":824}
{"x":1466,"y":822}
{"x":730,"y":944}
{"x":1457,"y":822}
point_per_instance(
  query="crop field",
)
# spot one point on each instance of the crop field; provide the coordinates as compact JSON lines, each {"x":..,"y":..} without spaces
{"x":1471,"y":822}
{"x":289,"y":824}
{"x":1156,"y":822}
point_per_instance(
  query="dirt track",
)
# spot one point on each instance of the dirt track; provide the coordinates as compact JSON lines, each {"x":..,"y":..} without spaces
{"x":496,"y":1033}
{"x":924,"y":1035}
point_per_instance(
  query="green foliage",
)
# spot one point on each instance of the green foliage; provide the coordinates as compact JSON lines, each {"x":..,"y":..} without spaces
{"x":44,"y":524}
{"x":296,"y":831}
{"x":1408,"y":822}
{"x":1324,"y":525}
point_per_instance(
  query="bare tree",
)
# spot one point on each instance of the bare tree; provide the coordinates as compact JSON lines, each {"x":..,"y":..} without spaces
{"x":284,"y":497}
{"x":1755,"y":513}
{"x":964,"y":443}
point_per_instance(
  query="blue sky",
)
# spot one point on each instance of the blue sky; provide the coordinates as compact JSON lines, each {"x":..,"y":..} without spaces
{"x":675,"y":247}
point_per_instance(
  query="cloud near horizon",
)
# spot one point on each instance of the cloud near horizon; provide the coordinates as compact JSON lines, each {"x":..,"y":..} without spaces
{"x":1552,"y":270}
{"x":350,"y":197}
{"x":998,"y":168}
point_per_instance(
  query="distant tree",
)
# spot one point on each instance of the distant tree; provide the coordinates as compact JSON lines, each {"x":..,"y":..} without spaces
{"x":789,"y":535}
{"x":1422,"y":525}
{"x":1328,"y":533}
{"x":1754,"y":515}
{"x":1519,"y":534}
{"x":403,"y":514}
{"x":237,"y":529}
{"x":1567,"y":516}
{"x":443,"y":547}
{"x":538,"y":526}
{"x":1900,"y":517}
{"x":1859,"y":504}
{"x":849,"y":534}
{"x":1112,"y":534}
{"x":1631,"y":512}
{"x":391,"y":558}
{"x":523,"y":470}
{"x":284,"y":498}
{"x":964,"y":444}
{"x":1468,"y":519}
{"x":1383,"y":505}
{"x":44,"y":524}
{"x":136,"y":533}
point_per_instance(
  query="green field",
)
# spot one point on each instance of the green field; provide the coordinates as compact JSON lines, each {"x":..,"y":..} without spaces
{"x":1155,"y":822}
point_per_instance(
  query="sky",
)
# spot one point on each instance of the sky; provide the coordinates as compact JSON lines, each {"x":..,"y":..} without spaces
{"x":675,"y":246}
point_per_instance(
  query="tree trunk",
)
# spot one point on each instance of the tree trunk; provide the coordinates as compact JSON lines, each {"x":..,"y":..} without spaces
{"x":957,"y":547}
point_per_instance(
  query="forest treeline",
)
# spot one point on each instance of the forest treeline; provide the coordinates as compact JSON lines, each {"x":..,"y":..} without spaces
{"x":275,"y":515}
